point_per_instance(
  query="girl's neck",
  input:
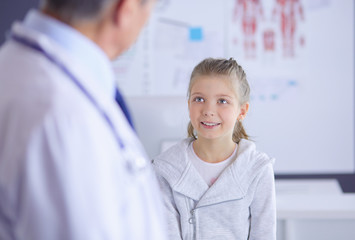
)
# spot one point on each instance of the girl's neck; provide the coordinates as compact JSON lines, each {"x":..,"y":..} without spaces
{"x":213,"y":151}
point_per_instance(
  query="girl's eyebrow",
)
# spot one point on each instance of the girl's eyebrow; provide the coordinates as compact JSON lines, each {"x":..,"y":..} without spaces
{"x":196,"y":93}
{"x":217,"y":95}
{"x":225,"y":96}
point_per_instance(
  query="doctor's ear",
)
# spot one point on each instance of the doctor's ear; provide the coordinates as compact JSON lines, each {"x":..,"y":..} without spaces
{"x":125,"y":12}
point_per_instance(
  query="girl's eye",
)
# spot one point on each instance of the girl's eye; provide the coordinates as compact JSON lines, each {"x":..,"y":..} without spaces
{"x":223,"y":101}
{"x":199,"y":99}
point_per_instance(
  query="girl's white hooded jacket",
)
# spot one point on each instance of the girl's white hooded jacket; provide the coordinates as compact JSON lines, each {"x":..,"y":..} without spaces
{"x":239,"y":205}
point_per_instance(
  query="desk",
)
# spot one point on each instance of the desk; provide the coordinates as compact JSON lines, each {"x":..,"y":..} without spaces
{"x":319,"y":202}
{"x":316,"y":207}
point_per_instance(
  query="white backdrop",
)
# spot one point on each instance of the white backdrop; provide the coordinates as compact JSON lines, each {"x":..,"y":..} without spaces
{"x":299,"y":59}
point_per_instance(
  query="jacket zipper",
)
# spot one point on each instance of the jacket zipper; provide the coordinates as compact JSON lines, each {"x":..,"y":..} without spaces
{"x":192,"y":219}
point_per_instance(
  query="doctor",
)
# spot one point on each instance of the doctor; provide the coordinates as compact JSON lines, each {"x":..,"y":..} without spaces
{"x":71,"y":166}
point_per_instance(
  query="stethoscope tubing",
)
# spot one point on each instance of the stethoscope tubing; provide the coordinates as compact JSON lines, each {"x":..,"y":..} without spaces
{"x":65,"y":70}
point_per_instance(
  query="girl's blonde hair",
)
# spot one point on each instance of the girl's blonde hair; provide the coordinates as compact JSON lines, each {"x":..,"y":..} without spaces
{"x":237,"y":76}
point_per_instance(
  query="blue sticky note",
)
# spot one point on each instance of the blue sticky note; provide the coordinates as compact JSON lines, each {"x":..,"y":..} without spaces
{"x":196,"y":34}
{"x":292,"y":83}
{"x":274,"y":96}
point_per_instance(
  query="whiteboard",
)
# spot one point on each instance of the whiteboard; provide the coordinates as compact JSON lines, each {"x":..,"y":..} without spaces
{"x":299,"y":60}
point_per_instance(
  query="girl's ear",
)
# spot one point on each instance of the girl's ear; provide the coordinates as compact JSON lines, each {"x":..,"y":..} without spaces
{"x":243,"y":111}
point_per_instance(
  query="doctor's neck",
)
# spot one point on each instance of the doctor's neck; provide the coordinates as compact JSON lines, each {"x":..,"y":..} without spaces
{"x":98,"y":30}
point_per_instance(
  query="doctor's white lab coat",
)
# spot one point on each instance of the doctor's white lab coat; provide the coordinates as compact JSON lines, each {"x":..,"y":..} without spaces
{"x":62,"y":172}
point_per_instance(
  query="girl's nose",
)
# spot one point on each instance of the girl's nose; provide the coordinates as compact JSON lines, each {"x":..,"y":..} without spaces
{"x":208,"y":111}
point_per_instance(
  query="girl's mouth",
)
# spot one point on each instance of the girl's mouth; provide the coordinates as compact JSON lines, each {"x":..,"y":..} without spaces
{"x":210,"y":124}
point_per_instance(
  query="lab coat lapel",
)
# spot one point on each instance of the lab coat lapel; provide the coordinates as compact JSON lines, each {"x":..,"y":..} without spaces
{"x":103,"y":100}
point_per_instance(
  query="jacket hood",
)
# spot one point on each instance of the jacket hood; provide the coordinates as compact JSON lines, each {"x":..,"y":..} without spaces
{"x":175,"y":167}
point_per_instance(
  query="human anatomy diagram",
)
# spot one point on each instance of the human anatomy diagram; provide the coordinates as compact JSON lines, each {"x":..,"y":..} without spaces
{"x":249,"y":16}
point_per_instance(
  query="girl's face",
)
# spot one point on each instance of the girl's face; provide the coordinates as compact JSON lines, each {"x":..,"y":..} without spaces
{"x":214,"y":107}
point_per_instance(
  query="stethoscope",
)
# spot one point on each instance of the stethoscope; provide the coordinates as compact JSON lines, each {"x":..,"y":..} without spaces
{"x":134,"y":164}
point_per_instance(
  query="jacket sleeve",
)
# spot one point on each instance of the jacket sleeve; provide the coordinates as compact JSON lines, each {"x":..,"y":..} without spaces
{"x":171,"y":211}
{"x":263,"y":207}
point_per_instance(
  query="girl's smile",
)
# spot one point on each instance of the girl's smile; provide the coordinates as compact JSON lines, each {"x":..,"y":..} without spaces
{"x":213,"y":107}
{"x":210,"y":125}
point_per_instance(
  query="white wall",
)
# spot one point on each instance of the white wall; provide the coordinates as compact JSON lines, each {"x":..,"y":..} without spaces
{"x":159,"y":119}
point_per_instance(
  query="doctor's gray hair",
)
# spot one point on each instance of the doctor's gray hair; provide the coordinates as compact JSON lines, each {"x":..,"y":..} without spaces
{"x":70,"y":11}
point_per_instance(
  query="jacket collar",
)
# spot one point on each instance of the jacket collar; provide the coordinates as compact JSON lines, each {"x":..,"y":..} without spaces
{"x":232,"y":184}
{"x":174,"y":166}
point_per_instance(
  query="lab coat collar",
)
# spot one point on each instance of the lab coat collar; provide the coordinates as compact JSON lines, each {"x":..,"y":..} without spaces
{"x":90,"y":81}
{"x":77,"y":46}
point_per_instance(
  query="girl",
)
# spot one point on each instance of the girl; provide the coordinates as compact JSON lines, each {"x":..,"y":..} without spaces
{"x":215,"y":184}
